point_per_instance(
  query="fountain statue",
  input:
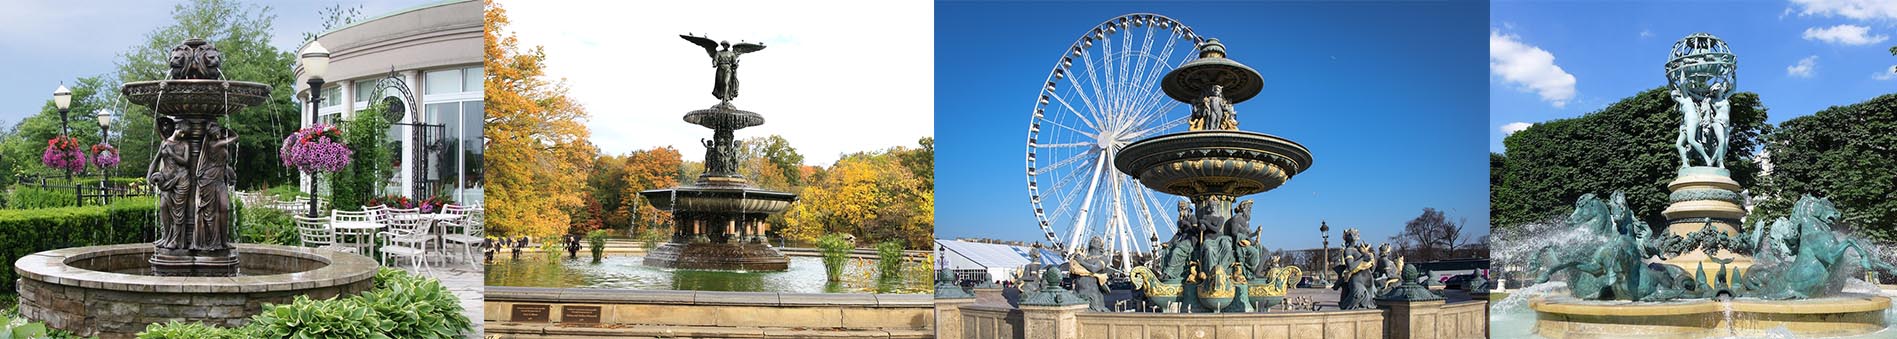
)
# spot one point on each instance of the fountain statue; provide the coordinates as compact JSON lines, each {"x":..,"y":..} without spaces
{"x":1787,"y":274}
{"x":1215,"y":261}
{"x":719,"y":219}
{"x":192,"y":173}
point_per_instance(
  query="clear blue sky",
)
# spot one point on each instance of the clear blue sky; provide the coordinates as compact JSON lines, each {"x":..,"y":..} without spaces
{"x":1387,"y":95}
{"x":1613,"y":50}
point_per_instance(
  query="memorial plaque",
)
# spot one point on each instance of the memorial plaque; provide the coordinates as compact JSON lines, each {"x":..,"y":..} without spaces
{"x":530,"y":313}
{"x":579,"y":314}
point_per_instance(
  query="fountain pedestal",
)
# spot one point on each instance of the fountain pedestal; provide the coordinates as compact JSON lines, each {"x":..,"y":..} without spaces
{"x":1706,"y":196}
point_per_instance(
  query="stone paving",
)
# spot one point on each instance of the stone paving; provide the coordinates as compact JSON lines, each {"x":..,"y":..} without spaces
{"x":465,"y":281}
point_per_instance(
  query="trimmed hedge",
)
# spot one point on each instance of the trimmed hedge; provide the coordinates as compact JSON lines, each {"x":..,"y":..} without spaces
{"x":31,"y":197}
{"x":24,"y":232}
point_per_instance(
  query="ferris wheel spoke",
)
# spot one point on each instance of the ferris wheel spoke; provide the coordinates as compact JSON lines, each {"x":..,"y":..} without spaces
{"x":1064,"y":162}
{"x":1070,"y":108}
{"x":1169,"y":125}
{"x":1093,"y":81}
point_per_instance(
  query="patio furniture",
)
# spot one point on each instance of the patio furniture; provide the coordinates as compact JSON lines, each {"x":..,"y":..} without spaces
{"x":407,"y":236}
{"x":315,"y":232}
{"x":355,"y":229}
{"x":468,"y":231}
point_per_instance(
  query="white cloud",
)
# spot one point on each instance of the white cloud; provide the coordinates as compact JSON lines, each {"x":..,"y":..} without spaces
{"x":1855,"y":9}
{"x":1646,"y":33}
{"x":1845,"y":34}
{"x":1886,"y":75}
{"x":1803,"y":68}
{"x":829,"y":82}
{"x":1513,"y":127}
{"x":1530,"y":67}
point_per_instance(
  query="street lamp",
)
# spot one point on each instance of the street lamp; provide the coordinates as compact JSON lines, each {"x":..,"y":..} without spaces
{"x":62,"y":99}
{"x":1325,"y":228}
{"x":315,"y":62}
{"x":105,"y":124}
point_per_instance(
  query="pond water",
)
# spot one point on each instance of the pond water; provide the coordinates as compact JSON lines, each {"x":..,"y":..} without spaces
{"x":806,"y":275}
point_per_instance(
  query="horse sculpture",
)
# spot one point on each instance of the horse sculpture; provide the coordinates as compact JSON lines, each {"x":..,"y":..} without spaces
{"x":1800,"y":254}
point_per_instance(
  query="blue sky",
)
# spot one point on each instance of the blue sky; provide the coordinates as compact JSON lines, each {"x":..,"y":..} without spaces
{"x":1554,"y":60}
{"x":1385,"y":94}
{"x":47,"y":42}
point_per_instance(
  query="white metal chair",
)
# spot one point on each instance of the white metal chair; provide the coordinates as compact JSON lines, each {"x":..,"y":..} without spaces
{"x":469,"y":233}
{"x":315,"y":232}
{"x":406,"y":237}
{"x":363,"y":237}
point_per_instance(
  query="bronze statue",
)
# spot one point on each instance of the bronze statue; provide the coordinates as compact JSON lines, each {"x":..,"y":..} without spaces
{"x":215,"y":178}
{"x":169,"y":175}
{"x":196,"y":59}
{"x":724,"y":56}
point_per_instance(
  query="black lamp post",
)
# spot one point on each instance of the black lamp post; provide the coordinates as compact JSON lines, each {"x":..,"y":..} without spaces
{"x":1325,"y":228}
{"x":62,"y":99}
{"x":105,"y":177}
{"x":315,"y":62}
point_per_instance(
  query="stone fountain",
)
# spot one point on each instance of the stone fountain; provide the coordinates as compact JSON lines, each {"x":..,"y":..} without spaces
{"x":1702,"y":277}
{"x":193,"y":272}
{"x":1215,"y":263}
{"x":718,"y":220}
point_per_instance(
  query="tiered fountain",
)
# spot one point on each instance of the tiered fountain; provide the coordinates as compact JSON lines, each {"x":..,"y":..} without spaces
{"x":193,"y":272}
{"x":718,"y":220}
{"x":1702,"y":278}
{"x":1215,"y":263}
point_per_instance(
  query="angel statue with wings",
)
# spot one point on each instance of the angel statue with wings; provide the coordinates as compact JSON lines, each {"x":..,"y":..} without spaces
{"x":724,"y":56}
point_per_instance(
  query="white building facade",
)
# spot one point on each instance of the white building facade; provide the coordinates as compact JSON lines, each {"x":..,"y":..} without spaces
{"x":425,"y":63}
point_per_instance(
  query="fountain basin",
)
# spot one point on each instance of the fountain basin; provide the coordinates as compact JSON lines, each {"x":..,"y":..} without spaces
{"x":718,"y":256}
{"x":1842,"y":315}
{"x":110,"y":292}
{"x":719,"y":199}
{"x":196,"y":98}
{"x":1228,"y":162}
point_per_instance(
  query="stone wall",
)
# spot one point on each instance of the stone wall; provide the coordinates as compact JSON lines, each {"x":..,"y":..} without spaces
{"x":1431,"y":320}
{"x":83,"y":290}
{"x":533,"y":312}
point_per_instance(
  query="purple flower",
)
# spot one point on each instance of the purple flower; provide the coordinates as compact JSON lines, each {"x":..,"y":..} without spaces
{"x":315,"y":149}
{"x":62,"y":152}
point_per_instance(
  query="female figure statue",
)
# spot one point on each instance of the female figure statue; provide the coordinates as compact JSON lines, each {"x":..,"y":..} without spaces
{"x":215,"y":176}
{"x":168,"y":173}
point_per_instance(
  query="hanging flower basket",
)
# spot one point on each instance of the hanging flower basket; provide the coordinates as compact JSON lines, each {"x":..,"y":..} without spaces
{"x":63,"y":152}
{"x":428,"y":205}
{"x":315,"y":149}
{"x":105,"y":156}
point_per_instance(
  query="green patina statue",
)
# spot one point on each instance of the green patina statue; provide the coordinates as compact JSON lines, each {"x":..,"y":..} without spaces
{"x":1702,"y":72}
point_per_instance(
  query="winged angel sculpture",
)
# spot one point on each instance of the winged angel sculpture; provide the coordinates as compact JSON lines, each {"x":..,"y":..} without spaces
{"x":724,"y":56}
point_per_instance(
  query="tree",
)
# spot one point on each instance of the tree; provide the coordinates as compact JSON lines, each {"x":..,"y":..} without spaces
{"x":366,"y":134}
{"x":1430,"y":236}
{"x":27,"y":141}
{"x":783,"y":160}
{"x":873,"y":195}
{"x":648,"y":170}
{"x":537,"y":152}
{"x":1842,"y":153}
{"x":1627,"y":146}
{"x":242,"y":34}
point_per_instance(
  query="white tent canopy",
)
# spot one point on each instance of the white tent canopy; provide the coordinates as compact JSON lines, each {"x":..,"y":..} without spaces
{"x":1000,"y":261}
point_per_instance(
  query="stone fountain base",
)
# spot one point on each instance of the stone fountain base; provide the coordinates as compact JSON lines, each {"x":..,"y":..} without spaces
{"x":110,"y":291}
{"x":1842,"y":315}
{"x":718,"y":256}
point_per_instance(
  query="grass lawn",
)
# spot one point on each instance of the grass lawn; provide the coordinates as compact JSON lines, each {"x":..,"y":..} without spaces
{"x":1494,"y":297}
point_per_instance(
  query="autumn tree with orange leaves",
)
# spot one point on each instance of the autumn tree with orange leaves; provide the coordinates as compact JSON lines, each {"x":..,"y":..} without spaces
{"x":537,"y":148}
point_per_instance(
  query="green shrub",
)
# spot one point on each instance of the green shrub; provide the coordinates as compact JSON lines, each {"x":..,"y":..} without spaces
{"x":889,"y":254}
{"x":191,"y":330}
{"x":31,"y":197}
{"x":650,"y":238}
{"x":836,"y":249}
{"x":417,"y":307}
{"x":326,"y":318}
{"x":284,"y":192}
{"x":263,"y":225}
{"x":24,"y":232}
{"x":597,"y":238}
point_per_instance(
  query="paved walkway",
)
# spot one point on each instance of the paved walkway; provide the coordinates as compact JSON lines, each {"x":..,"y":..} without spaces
{"x":466,"y":283}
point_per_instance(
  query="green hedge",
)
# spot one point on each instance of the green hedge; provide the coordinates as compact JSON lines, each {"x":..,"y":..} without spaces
{"x":31,"y":197}
{"x":24,"y":232}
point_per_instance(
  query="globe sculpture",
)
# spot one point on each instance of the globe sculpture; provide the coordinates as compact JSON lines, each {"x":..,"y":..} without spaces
{"x":718,"y":220}
{"x":1701,"y":273}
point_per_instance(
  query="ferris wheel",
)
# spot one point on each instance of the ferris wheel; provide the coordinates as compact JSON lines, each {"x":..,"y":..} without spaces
{"x":1103,"y":94}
